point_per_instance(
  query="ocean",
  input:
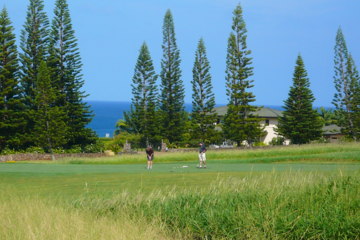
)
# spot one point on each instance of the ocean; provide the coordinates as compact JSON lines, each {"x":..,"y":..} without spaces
{"x":106,"y":114}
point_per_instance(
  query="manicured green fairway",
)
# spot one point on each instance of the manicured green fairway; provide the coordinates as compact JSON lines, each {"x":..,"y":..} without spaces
{"x":186,"y":167}
{"x":73,"y":180}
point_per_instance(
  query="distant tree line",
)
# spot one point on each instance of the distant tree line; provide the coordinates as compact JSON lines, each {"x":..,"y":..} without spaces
{"x":160,"y":116}
{"x":41,"y":101}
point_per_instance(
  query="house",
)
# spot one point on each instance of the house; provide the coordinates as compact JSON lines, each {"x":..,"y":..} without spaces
{"x":332,"y":133}
{"x":269,"y":119}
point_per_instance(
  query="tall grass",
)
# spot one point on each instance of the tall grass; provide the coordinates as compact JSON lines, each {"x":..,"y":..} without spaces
{"x":36,"y":219}
{"x":290,"y":205}
{"x":349,"y":152}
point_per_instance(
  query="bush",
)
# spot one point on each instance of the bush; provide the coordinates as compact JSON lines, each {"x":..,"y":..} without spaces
{"x":133,"y":139}
{"x":113,"y":147}
{"x":74,"y":149}
{"x":321,"y":140}
{"x":97,"y":147}
{"x":346,"y":139}
{"x":35,"y":150}
{"x":8,"y":151}
{"x":260,"y":144}
{"x":277,"y":141}
{"x":59,"y":150}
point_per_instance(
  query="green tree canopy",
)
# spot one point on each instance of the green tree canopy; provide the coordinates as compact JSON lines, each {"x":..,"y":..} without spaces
{"x":300,"y":122}
{"x":239,"y":123}
{"x":172,"y":89}
{"x":12,"y":121}
{"x":346,"y":80}
{"x":50,"y":127}
{"x":65,"y":66}
{"x":142,"y":116}
{"x":203,"y":115}
{"x":34,"y":41}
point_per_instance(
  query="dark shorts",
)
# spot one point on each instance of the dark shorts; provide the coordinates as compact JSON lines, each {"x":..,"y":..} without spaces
{"x":150,"y":158}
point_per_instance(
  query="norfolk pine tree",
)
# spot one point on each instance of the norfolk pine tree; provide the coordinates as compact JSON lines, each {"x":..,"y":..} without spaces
{"x":142,"y":116}
{"x":240,"y":124}
{"x":203,"y":115}
{"x":65,"y":66}
{"x":300,"y":122}
{"x":12,"y":121}
{"x":351,"y":124}
{"x":346,"y":80}
{"x":172,"y":112}
{"x":50,"y":126}
{"x":33,"y":43}
{"x":340,"y":77}
{"x":61,"y":45}
{"x":132,"y":120}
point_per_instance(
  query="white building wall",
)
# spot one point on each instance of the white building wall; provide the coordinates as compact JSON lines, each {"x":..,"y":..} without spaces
{"x":270,"y":130}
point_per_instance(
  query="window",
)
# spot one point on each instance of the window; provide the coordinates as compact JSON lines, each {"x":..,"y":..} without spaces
{"x":267,"y":122}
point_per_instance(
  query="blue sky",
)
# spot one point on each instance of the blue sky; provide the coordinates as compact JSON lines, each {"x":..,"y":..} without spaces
{"x":110,"y":33}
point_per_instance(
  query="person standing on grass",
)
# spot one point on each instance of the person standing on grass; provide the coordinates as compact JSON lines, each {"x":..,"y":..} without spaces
{"x":202,"y":156}
{"x":150,"y":157}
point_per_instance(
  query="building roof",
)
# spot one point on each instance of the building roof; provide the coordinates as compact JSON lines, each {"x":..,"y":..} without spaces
{"x":263,"y":112}
{"x":331,"y":129}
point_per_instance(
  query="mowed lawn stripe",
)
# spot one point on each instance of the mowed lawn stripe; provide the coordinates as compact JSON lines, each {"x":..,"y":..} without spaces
{"x":73,"y":180}
{"x":186,"y":167}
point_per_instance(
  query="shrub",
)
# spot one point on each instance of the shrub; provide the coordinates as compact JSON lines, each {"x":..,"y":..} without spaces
{"x":8,"y":151}
{"x":113,"y":147}
{"x":97,"y":147}
{"x":321,"y":140}
{"x":35,"y":150}
{"x":346,"y":139}
{"x":133,"y":139}
{"x":59,"y":150}
{"x":74,"y":149}
{"x":260,"y":144}
{"x":277,"y":141}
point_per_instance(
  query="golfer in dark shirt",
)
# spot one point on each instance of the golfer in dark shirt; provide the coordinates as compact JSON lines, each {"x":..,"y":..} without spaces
{"x":202,"y":155}
{"x":150,"y":157}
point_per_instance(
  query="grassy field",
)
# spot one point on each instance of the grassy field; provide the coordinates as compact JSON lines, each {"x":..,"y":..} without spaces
{"x":300,"y":192}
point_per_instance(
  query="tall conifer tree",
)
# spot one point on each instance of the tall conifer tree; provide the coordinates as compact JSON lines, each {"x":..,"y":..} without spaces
{"x":65,"y":65}
{"x":340,"y":78}
{"x":172,"y":89}
{"x":203,"y":115}
{"x":131,"y":120}
{"x":142,"y":116}
{"x":240,"y":124}
{"x":33,"y":43}
{"x":351,"y":113}
{"x":12,"y":121}
{"x":50,"y":127}
{"x":300,"y":122}
{"x":346,"y":80}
